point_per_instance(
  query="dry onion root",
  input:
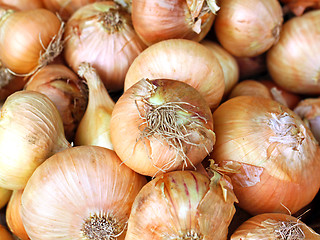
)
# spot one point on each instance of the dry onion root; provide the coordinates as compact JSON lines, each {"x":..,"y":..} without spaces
{"x":270,"y":226}
{"x":161,"y":125}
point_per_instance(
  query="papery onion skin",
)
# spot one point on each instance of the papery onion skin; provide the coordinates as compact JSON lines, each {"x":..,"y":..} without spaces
{"x":274,"y":152}
{"x":248,"y":28}
{"x":13,"y":216}
{"x":31,"y":130}
{"x":270,"y":226}
{"x":73,"y":185}
{"x":24,"y":37}
{"x":181,"y":205}
{"x":66,"y":90}
{"x":179,"y":138}
{"x":102,"y":34}
{"x":159,"y":20}
{"x":294,"y":62}
{"x":5,"y":195}
{"x":5,"y":234}
{"x":183,"y":60}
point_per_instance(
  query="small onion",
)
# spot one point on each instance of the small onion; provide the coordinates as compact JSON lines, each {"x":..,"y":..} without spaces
{"x":182,"y":205}
{"x":250,"y":87}
{"x":66,"y":90}
{"x":274,"y":155}
{"x":29,"y":39}
{"x":158,"y":20}
{"x":270,"y":226}
{"x":248,"y":28}
{"x":183,"y":60}
{"x":102,"y":34}
{"x":5,"y":234}
{"x":294,"y":62}
{"x":161,"y":125}
{"x":83,"y":192}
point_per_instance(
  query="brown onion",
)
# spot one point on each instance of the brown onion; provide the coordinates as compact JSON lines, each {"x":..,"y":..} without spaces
{"x":158,"y":20}
{"x":294,"y":62}
{"x":252,"y":67}
{"x":5,"y":234}
{"x":4,"y":196}
{"x":248,"y":28}
{"x":66,"y":90}
{"x":298,"y":7}
{"x":250,"y":87}
{"x":102,"y":35}
{"x":22,"y":4}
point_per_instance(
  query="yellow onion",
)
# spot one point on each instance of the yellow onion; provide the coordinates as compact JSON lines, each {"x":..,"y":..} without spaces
{"x":294,"y":62}
{"x":29,"y":39}
{"x":182,"y":205}
{"x":271,"y":226}
{"x":298,"y":7}
{"x":250,"y":87}
{"x":102,"y":34}
{"x":183,"y":60}
{"x":248,"y":28}
{"x":252,"y":67}
{"x":274,"y":156}
{"x":158,"y":20}
{"x":161,"y":125}
{"x":83,"y":192}
{"x":98,"y":113}
{"x":66,"y":90}
{"x":31,"y":130}
{"x":22,"y":4}
{"x":4,"y":196}
{"x":5,"y":234}
{"x":13,"y":216}
{"x":228,"y":63}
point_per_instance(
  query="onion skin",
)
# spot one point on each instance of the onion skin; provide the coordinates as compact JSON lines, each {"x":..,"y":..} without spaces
{"x":183,"y":60}
{"x":36,"y":27}
{"x":159,"y":20}
{"x":248,"y":28}
{"x":22,"y":4}
{"x":102,"y":35}
{"x":293,"y":63}
{"x":250,"y":87}
{"x":181,"y":205}
{"x":5,"y":234}
{"x":5,"y":195}
{"x":155,"y":153}
{"x":276,"y":169}
{"x":267,"y":226}
{"x":66,"y":90}
{"x":89,"y":181}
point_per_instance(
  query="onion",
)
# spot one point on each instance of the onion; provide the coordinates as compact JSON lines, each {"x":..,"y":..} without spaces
{"x":29,"y":39}
{"x":98,"y":113}
{"x":22,"y":4}
{"x":274,"y":226}
{"x":158,"y":20}
{"x":294,"y":62}
{"x":252,"y":67}
{"x":182,"y":205}
{"x":102,"y":35}
{"x":66,"y":90}
{"x":5,"y":234}
{"x":228,"y":63}
{"x":31,"y":130}
{"x":83,"y":192}
{"x":161,"y":125}
{"x":274,"y":155}
{"x":248,"y":28}
{"x":298,"y":7}
{"x":183,"y":60}
{"x":4,"y":196}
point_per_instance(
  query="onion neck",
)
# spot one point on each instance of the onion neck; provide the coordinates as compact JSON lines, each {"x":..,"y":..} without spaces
{"x":4,"y":14}
{"x":113,"y":20}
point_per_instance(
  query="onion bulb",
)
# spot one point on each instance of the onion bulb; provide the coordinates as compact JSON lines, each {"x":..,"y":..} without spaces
{"x":252,"y":67}
{"x":248,"y":28}
{"x":182,"y":205}
{"x":13,"y":216}
{"x":5,"y":234}
{"x":22,"y":4}
{"x":298,"y":7}
{"x":4,"y":196}
{"x":270,"y":226}
{"x":183,"y":60}
{"x":102,"y":34}
{"x":98,"y":113}
{"x":31,"y":130}
{"x":228,"y":63}
{"x":158,"y":20}
{"x":250,"y":87}
{"x":66,"y":90}
{"x":161,"y":125}
{"x":29,"y":39}
{"x":83,"y":192}
{"x":294,"y":62}
{"x":275,"y":157}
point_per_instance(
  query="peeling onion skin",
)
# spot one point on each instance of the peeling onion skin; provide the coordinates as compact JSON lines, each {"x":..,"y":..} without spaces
{"x":270,"y":226}
{"x":161,"y":151}
{"x":294,"y":62}
{"x":248,"y":28}
{"x":183,"y":60}
{"x":181,"y":205}
{"x":274,"y":152}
